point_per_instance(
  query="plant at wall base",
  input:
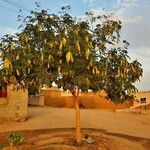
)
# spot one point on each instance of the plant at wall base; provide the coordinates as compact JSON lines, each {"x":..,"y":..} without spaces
{"x":15,"y":139}
{"x":2,"y":146}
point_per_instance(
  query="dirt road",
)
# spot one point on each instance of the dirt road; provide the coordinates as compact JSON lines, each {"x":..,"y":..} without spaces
{"x":132,"y":124}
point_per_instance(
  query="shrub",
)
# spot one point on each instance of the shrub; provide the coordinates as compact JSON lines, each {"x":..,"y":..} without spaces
{"x":15,"y":138}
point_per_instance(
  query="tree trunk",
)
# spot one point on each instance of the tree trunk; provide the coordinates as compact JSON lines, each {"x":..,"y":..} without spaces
{"x":78,"y":121}
{"x":75,"y":93}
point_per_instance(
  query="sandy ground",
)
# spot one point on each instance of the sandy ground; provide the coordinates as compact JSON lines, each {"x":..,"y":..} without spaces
{"x":131,"y":124}
{"x":130,"y":131}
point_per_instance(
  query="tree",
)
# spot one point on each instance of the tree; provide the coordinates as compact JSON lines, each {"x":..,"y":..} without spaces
{"x":66,"y":50}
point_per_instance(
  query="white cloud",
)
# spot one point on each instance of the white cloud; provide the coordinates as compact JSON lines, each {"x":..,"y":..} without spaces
{"x":112,"y":4}
{"x":7,"y":30}
{"x":134,"y":15}
{"x":89,"y":1}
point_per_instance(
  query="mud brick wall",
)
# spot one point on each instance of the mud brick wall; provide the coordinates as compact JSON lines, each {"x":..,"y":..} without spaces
{"x":14,"y":106}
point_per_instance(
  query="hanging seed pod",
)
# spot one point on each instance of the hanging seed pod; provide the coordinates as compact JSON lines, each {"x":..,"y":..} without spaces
{"x":72,"y":58}
{"x":133,"y":68}
{"x":45,"y":40}
{"x":96,"y":70}
{"x":42,"y":57}
{"x":51,"y":44}
{"x":40,"y":26}
{"x":60,"y":61}
{"x":56,"y":43}
{"x":49,"y":57}
{"x":48,"y":66}
{"x":78,"y":46}
{"x":87,"y":39}
{"x":69,"y":57}
{"x":64,"y":41}
{"x":119,"y":72}
{"x":12,"y":46}
{"x":26,"y":38}
{"x":60,"y":46}
{"x":93,"y":70}
{"x":3,"y":45}
{"x":17,"y":57}
{"x":87,"y":53}
{"x":18,"y":73}
{"x":28,"y":70}
{"x":29,"y":61}
{"x":7,"y":63}
{"x":4,"y":78}
{"x":59,"y":69}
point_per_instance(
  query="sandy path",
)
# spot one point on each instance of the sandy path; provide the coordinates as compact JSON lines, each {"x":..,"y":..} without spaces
{"x":47,"y":117}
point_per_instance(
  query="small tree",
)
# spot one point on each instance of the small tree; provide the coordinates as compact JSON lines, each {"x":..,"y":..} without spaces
{"x":77,"y":58}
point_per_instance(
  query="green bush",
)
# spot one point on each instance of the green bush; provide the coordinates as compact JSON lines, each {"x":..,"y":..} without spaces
{"x":2,"y":146}
{"x":15,"y":138}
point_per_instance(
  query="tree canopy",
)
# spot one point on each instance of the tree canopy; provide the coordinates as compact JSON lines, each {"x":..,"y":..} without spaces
{"x":68,"y":51}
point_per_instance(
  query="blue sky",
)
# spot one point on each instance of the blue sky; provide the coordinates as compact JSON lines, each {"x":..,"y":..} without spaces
{"x":134,"y":14}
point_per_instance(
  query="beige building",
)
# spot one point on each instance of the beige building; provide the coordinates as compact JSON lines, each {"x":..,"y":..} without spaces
{"x":14,"y":104}
{"x":140,"y":95}
{"x":57,"y":98}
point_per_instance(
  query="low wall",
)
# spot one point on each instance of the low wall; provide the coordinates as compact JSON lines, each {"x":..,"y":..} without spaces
{"x":14,"y":106}
{"x":36,"y":100}
{"x":56,"y":98}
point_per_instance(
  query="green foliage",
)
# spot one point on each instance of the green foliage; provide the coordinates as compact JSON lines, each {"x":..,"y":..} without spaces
{"x":2,"y":146}
{"x":65,"y":50}
{"x":15,"y":138}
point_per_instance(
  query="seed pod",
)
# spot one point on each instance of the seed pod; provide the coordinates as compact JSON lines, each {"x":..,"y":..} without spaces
{"x":88,"y":67}
{"x":96,"y":70}
{"x":58,"y":69}
{"x":87,"y":39}
{"x":64,"y":41}
{"x":51,"y":44}
{"x":28,"y":70}
{"x":60,"y":61}
{"x":7,"y":63}
{"x":78,"y":46}
{"x":4,"y":78}
{"x":42,"y":57}
{"x":56,"y":43}
{"x":48,"y":66}
{"x":3,"y":45}
{"x":133,"y":68}
{"x":40,"y":26}
{"x":69,"y":57}
{"x":12,"y":46}
{"x":17,"y":57}
{"x":119,"y":72}
{"x":87,"y":53}
{"x":60,"y":46}
{"x":18,"y":73}
{"x":93,"y":70}
{"x":49,"y":57}
{"x":29,"y":61}
{"x":26,"y":38}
